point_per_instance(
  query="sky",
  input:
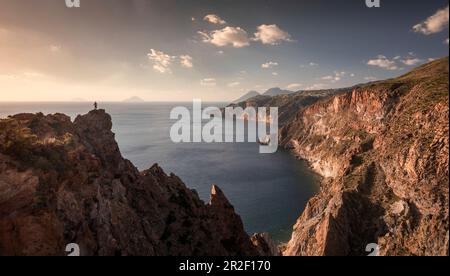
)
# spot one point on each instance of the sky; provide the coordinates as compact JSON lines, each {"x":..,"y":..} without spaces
{"x":214,"y":50}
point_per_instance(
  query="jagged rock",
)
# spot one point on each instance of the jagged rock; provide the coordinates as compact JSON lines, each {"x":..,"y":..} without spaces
{"x":64,"y":182}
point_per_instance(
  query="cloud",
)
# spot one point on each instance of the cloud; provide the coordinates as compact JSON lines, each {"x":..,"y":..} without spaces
{"x":312,"y":64}
{"x":209,"y":82}
{"x":446,"y":41}
{"x":228,"y":36}
{"x":186,"y":61}
{"x":352,"y":75}
{"x":24,"y":76}
{"x":161,"y":61}
{"x":328,"y":78}
{"x":294,"y":86}
{"x":370,"y":78}
{"x":336,"y":77}
{"x":234,"y":84}
{"x":214,"y":19}
{"x":271,"y":34}
{"x":33,"y":74}
{"x":410,"y":61}
{"x":383,"y":62}
{"x":433,"y":24}
{"x":317,"y":86}
{"x":269,"y":64}
{"x":275,"y":73}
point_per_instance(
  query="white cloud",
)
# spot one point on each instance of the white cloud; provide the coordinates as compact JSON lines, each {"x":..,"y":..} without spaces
{"x":228,"y":36}
{"x":327,"y":78}
{"x":352,"y":75}
{"x":234,"y":84}
{"x":434,"y":24}
{"x":271,"y":34}
{"x":411,"y":61}
{"x":186,"y":61}
{"x":312,"y":64}
{"x":161,"y":61}
{"x":24,"y":76}
{"x":269,"y":64}
{"x":275,"y":73}
{"x":209,"y":82}
{"x":336,"y":77}
{"x":383,"y":62}
{"x":214,"y":19}
{"x":317,"y":86}
{"x":220,"y":52}
{"x":370,"y":78}
{"x":33,"y":74}
{"x":294,"y":86}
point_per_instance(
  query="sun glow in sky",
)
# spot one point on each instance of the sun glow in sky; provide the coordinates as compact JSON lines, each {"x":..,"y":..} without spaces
{"x":177,"y":50}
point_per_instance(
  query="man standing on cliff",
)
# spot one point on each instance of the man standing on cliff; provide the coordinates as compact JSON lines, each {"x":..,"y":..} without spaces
{"x":95,"y":105}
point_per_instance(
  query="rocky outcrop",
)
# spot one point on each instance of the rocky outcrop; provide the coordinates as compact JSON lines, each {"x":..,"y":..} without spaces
{"x":64,"y":182}
{"x":265,"y":245}
{"x":383,"y":152}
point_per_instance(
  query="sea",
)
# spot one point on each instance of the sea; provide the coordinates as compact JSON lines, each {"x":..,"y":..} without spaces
{"x":269,"y":191}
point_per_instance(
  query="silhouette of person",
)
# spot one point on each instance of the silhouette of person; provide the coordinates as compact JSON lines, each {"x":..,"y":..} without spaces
{"x":95,"y":105}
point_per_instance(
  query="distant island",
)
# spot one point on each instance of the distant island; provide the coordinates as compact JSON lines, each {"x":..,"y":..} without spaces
{"x":134,"y":99}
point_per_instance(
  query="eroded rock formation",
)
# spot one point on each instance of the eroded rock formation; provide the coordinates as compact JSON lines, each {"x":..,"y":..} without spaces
{"x":383,"y":151}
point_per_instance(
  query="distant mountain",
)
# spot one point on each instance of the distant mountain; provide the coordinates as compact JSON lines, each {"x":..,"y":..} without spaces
{"x":277,"y":91}
{"x":247,"y":96}
{"x":134,"y":100}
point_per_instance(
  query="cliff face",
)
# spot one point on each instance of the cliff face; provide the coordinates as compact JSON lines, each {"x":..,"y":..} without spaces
{"x":383,"y":152}
{"x":288,"y":104}
{"x":64,"y":182}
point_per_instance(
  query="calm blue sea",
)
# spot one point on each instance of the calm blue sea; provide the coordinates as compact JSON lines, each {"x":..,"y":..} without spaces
{"x":269,"y":191}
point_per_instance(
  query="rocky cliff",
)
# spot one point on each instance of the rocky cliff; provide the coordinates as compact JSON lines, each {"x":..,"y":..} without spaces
{"x":288,"y":104}
{"x":64,"y":182}
{"x":382,"y":150}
